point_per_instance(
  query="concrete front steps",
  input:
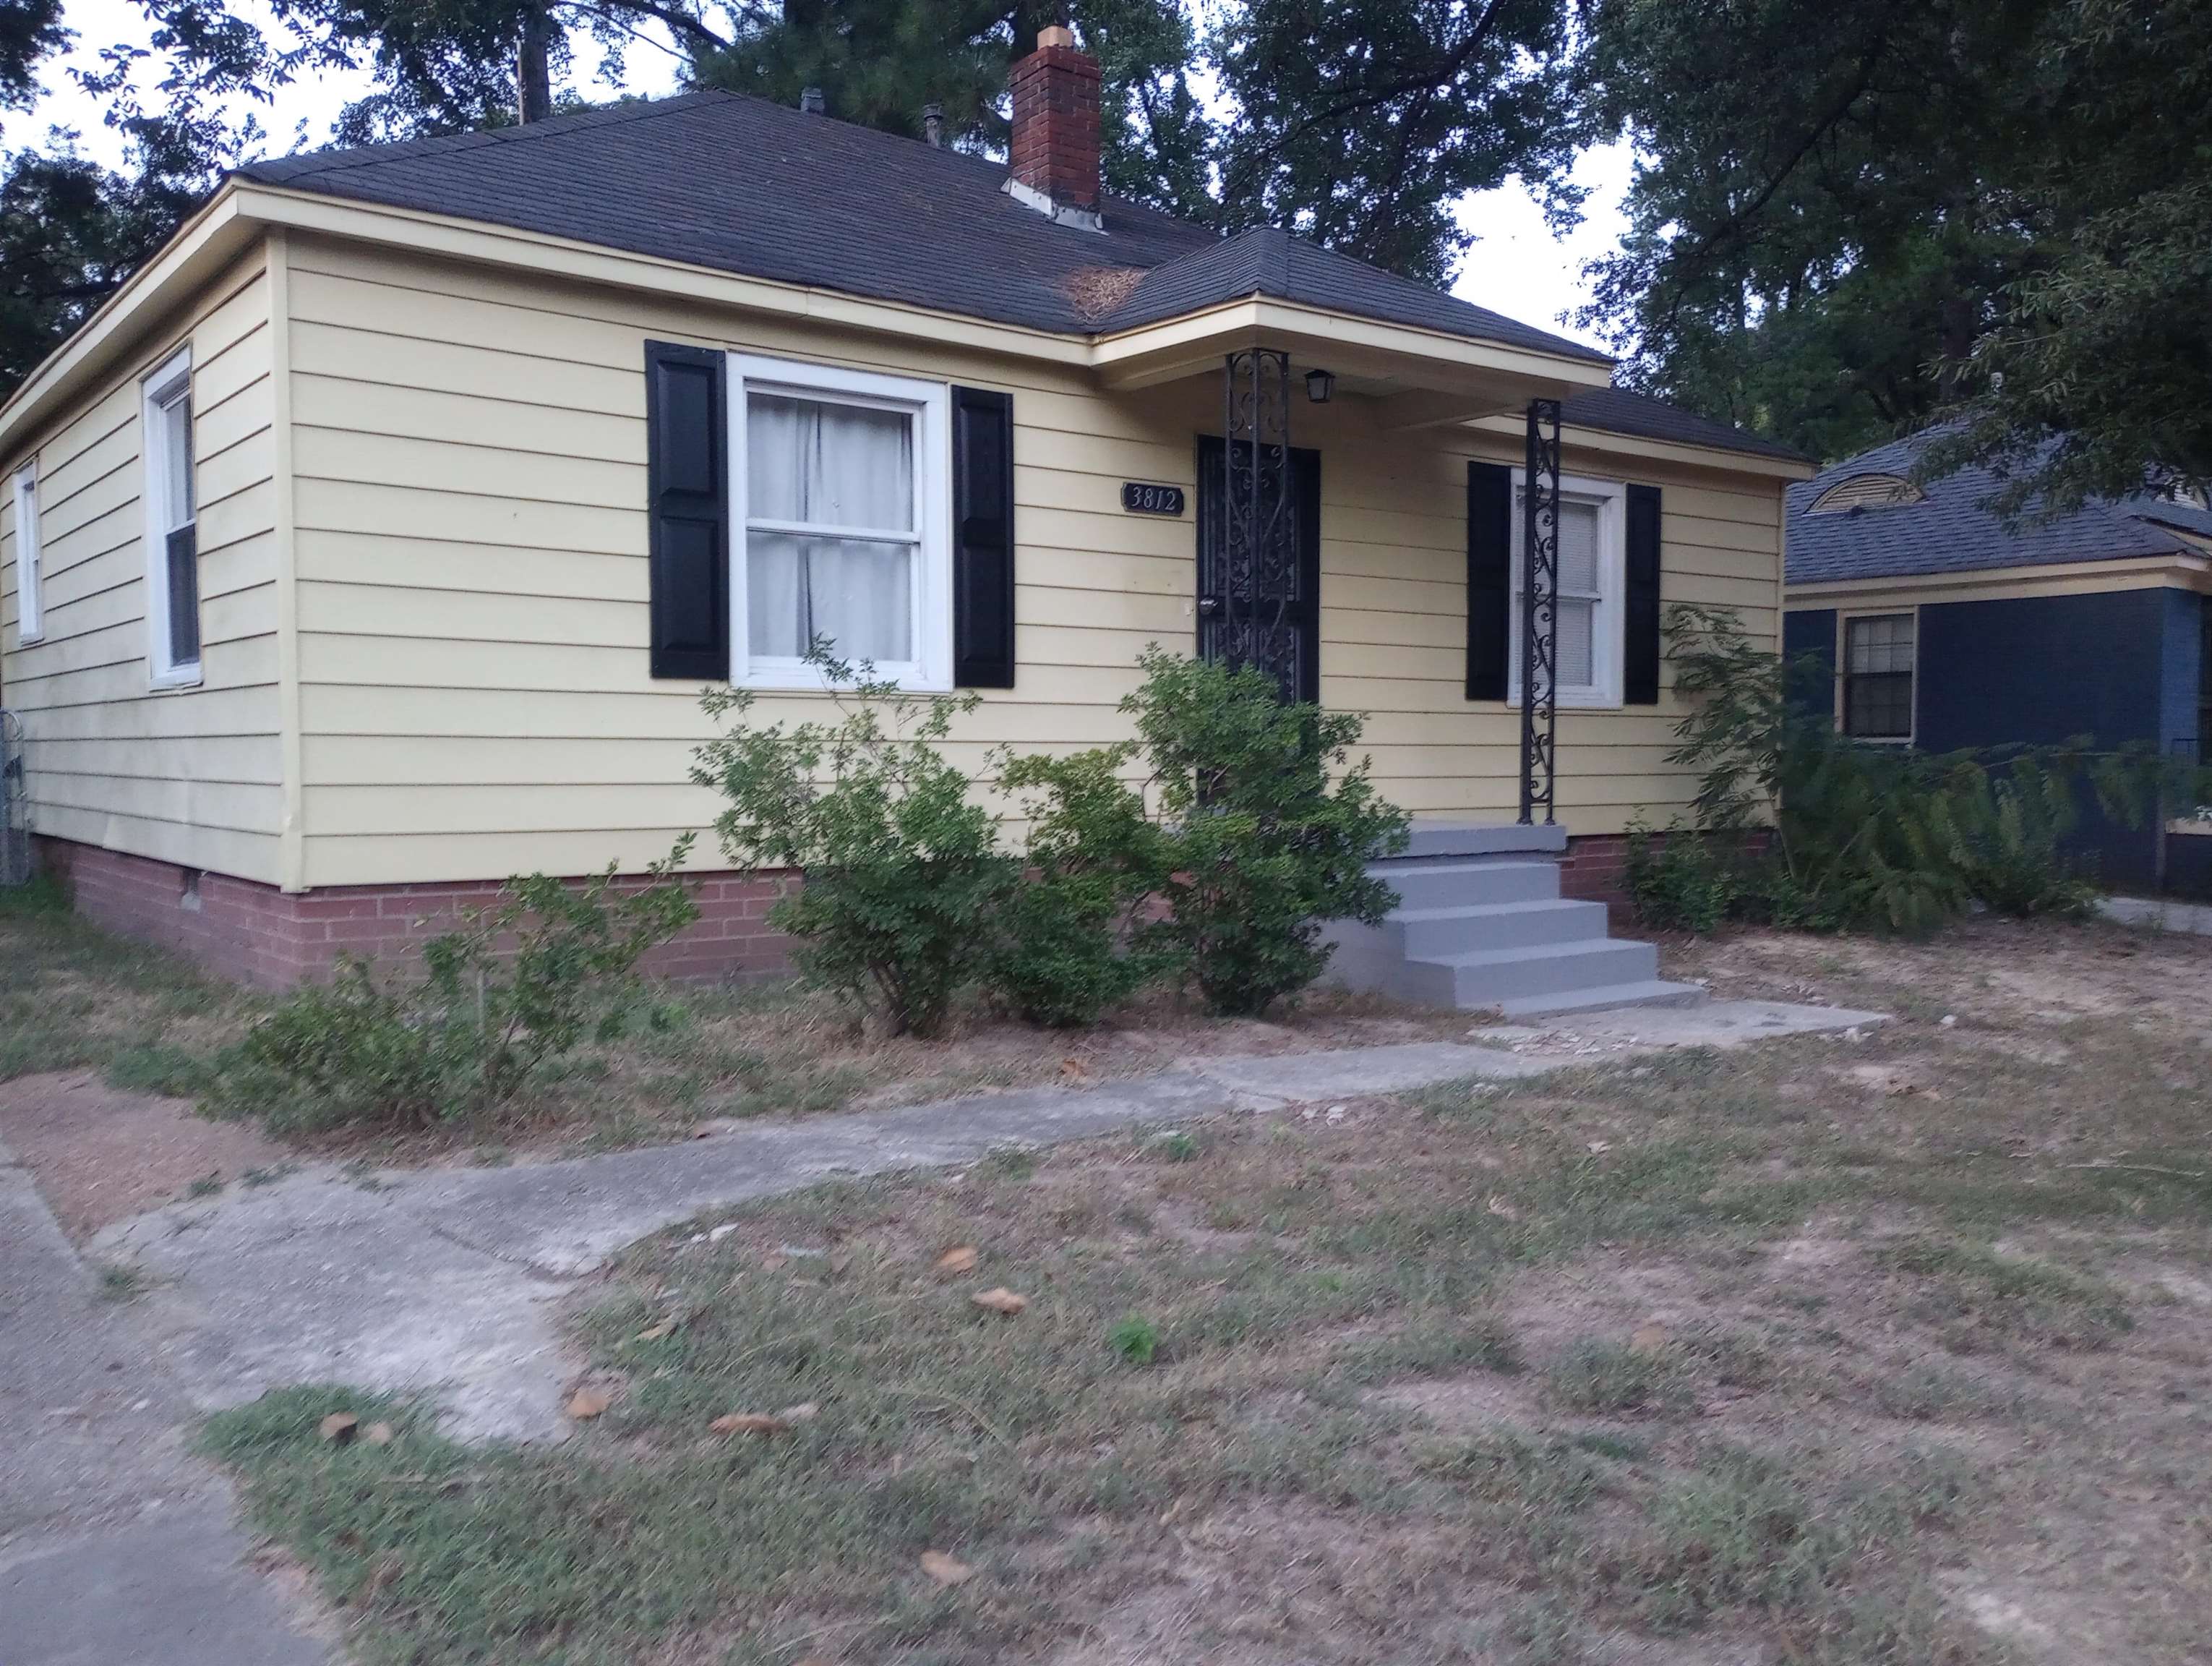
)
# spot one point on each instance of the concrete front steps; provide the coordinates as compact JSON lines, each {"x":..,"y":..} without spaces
{"x":1480,"y":924}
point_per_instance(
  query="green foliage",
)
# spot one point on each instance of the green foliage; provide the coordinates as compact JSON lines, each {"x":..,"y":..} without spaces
{"x":1061,"y":956}
{"x":1884,"y":837}
{"x":1851,"y":217}
{"x":512,"y":988}
{"x":160,"y":1068}
{"x":1135,"y":1339}
{"x":905,"y":885}
{"x":1262,"y":846}
{"x":1677,"y":881}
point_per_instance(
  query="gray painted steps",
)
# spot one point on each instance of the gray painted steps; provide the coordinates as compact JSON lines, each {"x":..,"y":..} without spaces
{"x":1480,"y":924}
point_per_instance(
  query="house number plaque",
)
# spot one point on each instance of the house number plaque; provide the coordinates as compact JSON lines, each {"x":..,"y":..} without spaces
{"x":1141,"y":499}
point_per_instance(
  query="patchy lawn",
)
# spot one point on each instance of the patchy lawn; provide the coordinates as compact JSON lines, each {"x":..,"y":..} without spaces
{"x":137,"y":1032}
{"x":1897,"y":1350}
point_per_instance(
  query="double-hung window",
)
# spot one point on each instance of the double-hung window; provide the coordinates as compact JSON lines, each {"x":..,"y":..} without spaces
{"x":839,"y":497}
{"x":1877,"y":675}
{"x":1593,"y":559}
{"x":30,"y":598}
{"x":173,"y":566}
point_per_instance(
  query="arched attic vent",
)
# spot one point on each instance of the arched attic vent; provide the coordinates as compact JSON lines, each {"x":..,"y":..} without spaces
{"x":1866,"y":491}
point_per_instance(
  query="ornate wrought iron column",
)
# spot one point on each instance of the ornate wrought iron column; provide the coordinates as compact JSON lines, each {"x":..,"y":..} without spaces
{"x":1253,"y":593}
{"x":1540,"y":613}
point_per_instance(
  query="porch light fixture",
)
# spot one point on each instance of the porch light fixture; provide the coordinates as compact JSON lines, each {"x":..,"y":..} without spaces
{"x":1320,"y":384}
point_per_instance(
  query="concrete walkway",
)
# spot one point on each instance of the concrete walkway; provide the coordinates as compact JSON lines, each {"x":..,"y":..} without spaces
{"x":448,"y":1280}
{"x":117,"y":1547}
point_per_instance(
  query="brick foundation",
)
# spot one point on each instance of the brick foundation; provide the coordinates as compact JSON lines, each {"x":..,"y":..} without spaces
{"x":257,"y":934}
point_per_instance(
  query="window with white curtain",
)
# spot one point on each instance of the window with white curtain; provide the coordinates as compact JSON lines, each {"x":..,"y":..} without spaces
{"x":839,"y":491}
{"x":30,"y":589}
{"x":1593,"y":568}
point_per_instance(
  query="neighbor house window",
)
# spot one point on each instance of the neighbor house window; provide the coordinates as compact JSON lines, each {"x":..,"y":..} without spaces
{"x":172,"y":564}
{"x":30,"y":601}
{"x":839,"y":487}
{"x":1593,"y":542}
{"x":1878,"y":659}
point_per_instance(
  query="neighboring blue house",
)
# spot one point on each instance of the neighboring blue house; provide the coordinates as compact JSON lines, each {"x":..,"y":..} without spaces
{"x":1943,"y":628}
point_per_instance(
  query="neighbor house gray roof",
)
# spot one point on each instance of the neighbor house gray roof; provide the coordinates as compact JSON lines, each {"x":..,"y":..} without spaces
{"x":744,"y":186}
{"x":1953,"y":531}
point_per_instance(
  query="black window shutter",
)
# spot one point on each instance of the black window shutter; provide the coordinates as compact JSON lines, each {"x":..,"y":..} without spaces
{"x":688,"y":497}
{"x":983,"y":538}
{"x":1489,"y":579}
{"x":1640,"y":658}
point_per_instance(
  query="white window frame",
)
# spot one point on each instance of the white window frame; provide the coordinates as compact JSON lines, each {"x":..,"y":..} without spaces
{"x":30,"y":577}
{"x":1606,"y":618}
{"x":160,"y":391}
{"x":1845,"y":619}
{"x":929,"y":405}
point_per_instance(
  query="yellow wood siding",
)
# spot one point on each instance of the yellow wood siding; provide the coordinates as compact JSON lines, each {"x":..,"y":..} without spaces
{"x":190,"y":776}
{"x":470,"y":571}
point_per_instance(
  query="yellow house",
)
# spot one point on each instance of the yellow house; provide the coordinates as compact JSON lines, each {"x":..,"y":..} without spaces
{"x":376,"y":541}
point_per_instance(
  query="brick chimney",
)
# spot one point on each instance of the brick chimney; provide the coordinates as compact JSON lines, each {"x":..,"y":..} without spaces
{"x":1055,"y":153}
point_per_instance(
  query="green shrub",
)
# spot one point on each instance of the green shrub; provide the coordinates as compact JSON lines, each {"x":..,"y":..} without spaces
{"x":905,"y":885}
{"x":1884,"y":837}
{"x":1063,"y":955}
{"x":508,"y":992}
{"x":1260,"y":848}
{"x":1677,"y":881}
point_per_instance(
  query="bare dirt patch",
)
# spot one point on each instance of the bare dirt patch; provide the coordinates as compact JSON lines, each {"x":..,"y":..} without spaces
{"x":101,"y":1155}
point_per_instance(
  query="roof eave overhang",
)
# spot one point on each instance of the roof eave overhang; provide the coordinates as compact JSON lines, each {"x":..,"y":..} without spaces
{"x":1645,"y":448}
{"x":206,"y":244}
{"x":1446,"y":378}
{"x":2179,"y":569}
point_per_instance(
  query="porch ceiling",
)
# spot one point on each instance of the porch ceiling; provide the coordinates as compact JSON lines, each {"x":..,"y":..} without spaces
{"x":1420,"y":378}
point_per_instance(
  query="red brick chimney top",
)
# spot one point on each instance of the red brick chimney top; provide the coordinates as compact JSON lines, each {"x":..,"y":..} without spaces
{"x":1055,"y":153}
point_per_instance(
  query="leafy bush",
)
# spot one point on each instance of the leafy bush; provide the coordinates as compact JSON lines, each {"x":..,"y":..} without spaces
{"x":1884,"y":837}
{"x":509,"y":990}
{"x":1677,"y":881}
{"x":905,"y":885}
{"x":1063,"y":956}
{"x":1259,"y":850}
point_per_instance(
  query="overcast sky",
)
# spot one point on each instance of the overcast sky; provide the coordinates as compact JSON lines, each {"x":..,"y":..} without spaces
{"x":1516,"y":266}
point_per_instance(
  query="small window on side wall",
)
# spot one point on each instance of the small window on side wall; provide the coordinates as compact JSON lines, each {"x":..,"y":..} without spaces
{"x":30,"y":589}
{"x":173,"y":566}
{"x":1877,"y":672}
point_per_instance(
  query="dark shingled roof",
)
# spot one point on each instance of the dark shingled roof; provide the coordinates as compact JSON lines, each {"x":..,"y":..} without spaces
{"x":1952,"y":532}
{"x":1616,"y":411}
{"x":744,"y":186}
{"x":1268,"y":261}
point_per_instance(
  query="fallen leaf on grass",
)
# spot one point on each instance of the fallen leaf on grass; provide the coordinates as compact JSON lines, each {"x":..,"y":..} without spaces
{"x":1647,"y":1338}
{"x":378,"y":1434}
{"x":337,"y":1428}
{"x":945,"y":1570}
{"x":1598,"y":1147}
{"x":1074,"y":1070}
{"x":749,"y":1423}
{"x":999,"y":1299}
{"x":587,"y":1403}
{"x":654,"y":1332}
{"x":960,"y":1258}
{"x":1502,"y":1209}
{"x":805,"y":1412}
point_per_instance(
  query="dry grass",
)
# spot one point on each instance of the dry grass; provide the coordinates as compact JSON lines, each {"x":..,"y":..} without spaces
{"x":1893,"y":1351}
{"x":72,"y":997}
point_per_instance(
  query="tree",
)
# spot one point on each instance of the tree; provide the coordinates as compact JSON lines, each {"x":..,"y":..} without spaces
{"x":1855,"y":213}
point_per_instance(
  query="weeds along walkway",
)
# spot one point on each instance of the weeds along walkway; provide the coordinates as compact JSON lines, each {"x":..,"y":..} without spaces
{"x":447,"y":1281}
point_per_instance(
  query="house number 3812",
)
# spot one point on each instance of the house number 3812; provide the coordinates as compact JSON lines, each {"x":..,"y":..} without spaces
{"x":1141,"y":499}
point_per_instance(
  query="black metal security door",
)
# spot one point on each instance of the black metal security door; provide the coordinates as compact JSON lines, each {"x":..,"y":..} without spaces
{"x":1259,"y":598}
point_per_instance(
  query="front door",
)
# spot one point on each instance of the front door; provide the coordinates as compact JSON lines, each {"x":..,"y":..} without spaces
{"x":1264,"y":611}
